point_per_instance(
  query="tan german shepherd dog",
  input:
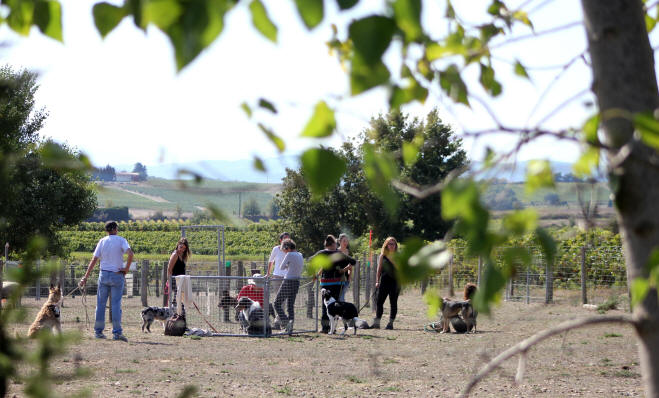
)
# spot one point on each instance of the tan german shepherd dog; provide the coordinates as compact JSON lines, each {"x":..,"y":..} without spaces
{"x":49,"y":316}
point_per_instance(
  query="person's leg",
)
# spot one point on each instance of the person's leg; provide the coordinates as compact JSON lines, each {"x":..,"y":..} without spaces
{"x":281,"y":296}
{"x":102,"y":293}
{"x":117,"y":289}
{"x":294,"y":286}
{"x":393,"y":302}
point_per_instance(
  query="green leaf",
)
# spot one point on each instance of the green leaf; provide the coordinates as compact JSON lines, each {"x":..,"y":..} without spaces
{"x":408,"y":17}
{"x":263,"y":103}
{"x":523,"y":17}
{"x":162,"y":13}
{"x":217,"y":213}
{"x":433,"y":300}
{"x":380,"y":169}
{"x":648,"y":127}
{"x":639,"y":289}
{"x":653,"y":261}
{"x":451,"y":82}
{"x":246,"y":109}
{"x":322,"y":122}
{"x":410,"y":153}
{"x":107,"y":17}
{"x":319,"y":262}
{"x":514,"y":257}
{"x":197,"y":27}
{"x":520,"y":222}
{"x":20,"y":17}
{"x":414,"y":91}
{"x":460,"y":199}
{"x":590,"y":128}
{"x":538,"y":175}
{"x":346,"y":4}
{"x":365,"y":76}
{"x":588,"y":161}
{"x":261,"y":21}
{"x":322,"y":170}
{"x":416,"y":261}
{"x":488,"y":81}
{"x":371,"y":37}
{"x":274,"y":138}
{"x":490,"y":288}
{"x":258,"y":164}
{"x":311,"y":11}
{"x":48,"y":17}
{"x":547,"y":244}
{"x":650,"y":23}
{"x":520,"y":70}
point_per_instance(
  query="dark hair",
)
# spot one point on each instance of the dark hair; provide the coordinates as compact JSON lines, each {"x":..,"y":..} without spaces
{"x":330,"y":240}
{"x":283,"y":235}
{"x":111,"y":225}
{"x":288,"y":244}
{"x":184,"y":242}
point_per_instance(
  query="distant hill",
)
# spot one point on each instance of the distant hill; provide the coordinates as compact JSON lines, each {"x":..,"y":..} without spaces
{"x":224,"y":170}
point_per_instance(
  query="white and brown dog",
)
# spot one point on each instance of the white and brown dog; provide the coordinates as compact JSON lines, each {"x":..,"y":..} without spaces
{"x":49,"y":316}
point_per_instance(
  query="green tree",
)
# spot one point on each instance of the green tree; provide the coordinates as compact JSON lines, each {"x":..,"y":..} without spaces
{"x":42,"y":193}
{"x":251,"y":208}
{"x":140,"y":169}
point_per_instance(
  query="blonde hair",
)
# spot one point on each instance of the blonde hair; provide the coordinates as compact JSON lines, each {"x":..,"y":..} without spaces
{"x":385,"y":250}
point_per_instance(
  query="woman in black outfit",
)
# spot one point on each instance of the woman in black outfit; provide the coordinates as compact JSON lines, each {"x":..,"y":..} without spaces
{"x":330,"y":278}
{"x":386,"y":283}
{"x":176,"y":265}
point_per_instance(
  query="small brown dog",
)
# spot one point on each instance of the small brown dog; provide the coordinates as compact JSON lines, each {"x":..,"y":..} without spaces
{"x":459,"y":313}
{"x":49,"y":316}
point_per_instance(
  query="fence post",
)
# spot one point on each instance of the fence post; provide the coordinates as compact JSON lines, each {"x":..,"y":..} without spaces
{"x":155,"y":271}
{"x":549,"y":296}
{"x":584,"y":298}
{"x":367,"y":282}
{"x":528,"y":289}
{"x":241,"y":272}
{"x":73,"y":277}
{"x":266,"y":307}
{"x":355,"y":283}
{"x":311,"y":302}
{"x":144,"y":283}
{"x":62,"y":275}
{"x":165,"y":297}
{"x":451,"y":292}
{"x":135,"y":286}
{"x":480,"y":268}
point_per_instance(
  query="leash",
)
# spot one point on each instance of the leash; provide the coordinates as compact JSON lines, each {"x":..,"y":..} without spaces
{"x":368,"y":300}
{"x":83,"y":298}
{"x":204,"y":318}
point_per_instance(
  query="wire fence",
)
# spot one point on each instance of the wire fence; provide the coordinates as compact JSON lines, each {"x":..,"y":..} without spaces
{"x":579,"y":275}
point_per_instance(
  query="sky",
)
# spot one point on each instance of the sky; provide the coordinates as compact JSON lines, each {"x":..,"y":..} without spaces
{"x":120,"y":99}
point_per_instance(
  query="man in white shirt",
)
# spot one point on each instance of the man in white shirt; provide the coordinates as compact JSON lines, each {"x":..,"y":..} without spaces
{"x":110,"y":251}
{"x":292,"y":264}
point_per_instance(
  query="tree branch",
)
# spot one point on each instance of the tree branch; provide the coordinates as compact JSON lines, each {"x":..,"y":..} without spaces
{"x":523,"y":346}
{"x":535,"y":35}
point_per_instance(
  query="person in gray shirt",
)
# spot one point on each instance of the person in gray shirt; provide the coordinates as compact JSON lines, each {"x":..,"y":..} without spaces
{"x":292,"y":263}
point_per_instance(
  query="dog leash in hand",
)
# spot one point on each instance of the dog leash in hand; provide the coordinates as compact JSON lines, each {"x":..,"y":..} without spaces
{"x":367,"y":301}
{"x":83,"y":298}
{"x":204,"y":318}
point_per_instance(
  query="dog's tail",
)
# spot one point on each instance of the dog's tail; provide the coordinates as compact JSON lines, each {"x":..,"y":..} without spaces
{"x":470,"y":290}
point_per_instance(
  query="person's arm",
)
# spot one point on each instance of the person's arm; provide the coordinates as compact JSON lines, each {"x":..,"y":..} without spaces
{"x":90,"y":267}
{"x":379,"y":273}
{"x":172,"y":262}
{"x":271,"y":261}
{"x":129,"y":260}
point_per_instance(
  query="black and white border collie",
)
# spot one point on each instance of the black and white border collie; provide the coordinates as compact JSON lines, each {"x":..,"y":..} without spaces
{"x":339,"y":309}
{"x":150,"y":314}
{"x":252,"y":317}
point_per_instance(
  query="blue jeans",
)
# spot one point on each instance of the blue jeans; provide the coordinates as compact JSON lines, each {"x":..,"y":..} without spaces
{"x":344,"y":288}
{"x":109,"y":282}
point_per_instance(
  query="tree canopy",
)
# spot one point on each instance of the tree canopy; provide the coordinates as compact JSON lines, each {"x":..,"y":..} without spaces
{"x":44,"y":187}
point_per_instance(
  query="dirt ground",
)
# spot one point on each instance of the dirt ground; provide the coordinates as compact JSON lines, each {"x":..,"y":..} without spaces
{"x":599,"y":361}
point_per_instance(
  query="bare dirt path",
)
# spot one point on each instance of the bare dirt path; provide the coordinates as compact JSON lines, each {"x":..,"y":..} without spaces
{"x":600,"y":361}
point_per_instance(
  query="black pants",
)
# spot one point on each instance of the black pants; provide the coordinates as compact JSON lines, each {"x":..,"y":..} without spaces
{"x":388,"y":287}
{"x":287,"y":292}
{"x":335,"y":291}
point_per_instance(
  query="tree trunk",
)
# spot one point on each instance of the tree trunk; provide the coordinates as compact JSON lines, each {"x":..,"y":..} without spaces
{"x":624,"y":80}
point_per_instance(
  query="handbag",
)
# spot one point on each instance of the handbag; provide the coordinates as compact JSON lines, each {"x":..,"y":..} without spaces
{"x":176,"y":325}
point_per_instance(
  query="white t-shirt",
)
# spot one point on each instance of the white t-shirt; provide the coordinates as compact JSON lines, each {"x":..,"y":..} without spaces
{"x":292,"y":265}
{"x":110,"y":250}
{"x":277,"y":255}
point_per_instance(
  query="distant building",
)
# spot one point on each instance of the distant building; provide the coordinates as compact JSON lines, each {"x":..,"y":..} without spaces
{"x":127,"y":177}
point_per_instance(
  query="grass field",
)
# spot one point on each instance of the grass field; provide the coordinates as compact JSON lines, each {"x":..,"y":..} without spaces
{"x":168,"y":195}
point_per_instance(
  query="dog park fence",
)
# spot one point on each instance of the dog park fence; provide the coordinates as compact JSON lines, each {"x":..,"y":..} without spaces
{"x":582,"y":274}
